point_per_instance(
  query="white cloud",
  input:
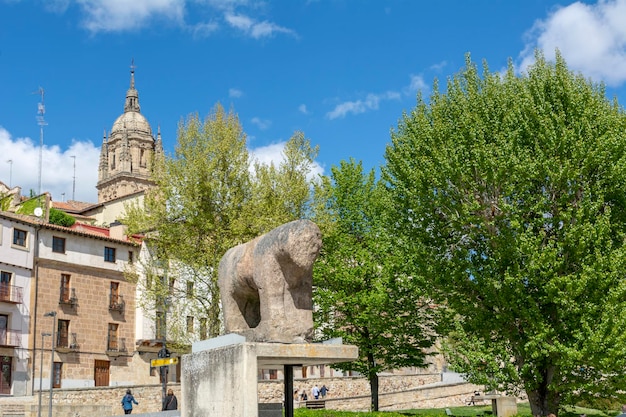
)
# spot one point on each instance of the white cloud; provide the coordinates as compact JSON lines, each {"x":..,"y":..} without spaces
{"x":416,"y":84}
{"x":261,"y":123}
{"x":57,"y":168}
{"x":274,"y":154}
{"x":371,"y":102}
{"x":125,"y":15}
{"x":120,"y":15}
{"x":438,"y":66}
{"x":253,"y":28}
{"x":234,"y":93}
{"x":591,"y":38}
{"x":57,"y":6}
{"x":202,"y":30}
{"x":302,"y":109}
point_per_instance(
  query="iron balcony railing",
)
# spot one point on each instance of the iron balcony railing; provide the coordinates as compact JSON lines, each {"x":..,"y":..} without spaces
{"x":11,"y":294}
{"x":67,"y":341}
{"x":116,"y":303}
{"x":10,"y":338}
{"x":115,"y":344}
{"x":68,"y":296}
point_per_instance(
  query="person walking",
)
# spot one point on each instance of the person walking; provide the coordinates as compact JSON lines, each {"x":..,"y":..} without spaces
{"x":127,"y":402}
{"x":316,"y":392}
{"x":170,"y":402}
{"x":323,"y":391}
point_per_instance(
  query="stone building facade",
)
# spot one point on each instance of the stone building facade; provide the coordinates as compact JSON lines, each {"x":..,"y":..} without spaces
{"x":81,"y":281}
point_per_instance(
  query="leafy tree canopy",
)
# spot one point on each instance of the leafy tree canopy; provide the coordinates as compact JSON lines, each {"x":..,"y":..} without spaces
{"x":511,"y":190}
{"x":361,"y":292}
{"x":210,"y":197}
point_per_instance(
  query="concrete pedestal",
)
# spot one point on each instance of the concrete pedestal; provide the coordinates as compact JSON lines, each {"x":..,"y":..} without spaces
{"x":219,"y":377}
{"x":505,"y":406}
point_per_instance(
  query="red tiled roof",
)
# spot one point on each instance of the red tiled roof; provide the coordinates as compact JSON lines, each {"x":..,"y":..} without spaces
{"x":80,"y":229}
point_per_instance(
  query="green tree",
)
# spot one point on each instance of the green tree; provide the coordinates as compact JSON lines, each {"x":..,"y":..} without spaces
{"x":511,"y":190}
{"x":207,"y":200}
{"x":196,"y":211}
{"x":361,"y":293}
{"x":282,"y":193}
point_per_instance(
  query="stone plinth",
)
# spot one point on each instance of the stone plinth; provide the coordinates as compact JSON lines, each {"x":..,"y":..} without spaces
{"x":220,"y":376}
{"x":505,"y":406}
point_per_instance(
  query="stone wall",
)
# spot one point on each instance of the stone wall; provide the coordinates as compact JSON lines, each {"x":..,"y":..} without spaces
{"x":341,"y":387}
{"x":397,"y":392}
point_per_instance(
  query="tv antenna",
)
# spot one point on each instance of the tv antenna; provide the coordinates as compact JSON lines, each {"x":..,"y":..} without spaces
{"x":74,"y":178}
{"x":41,"y":111}
{"x":10,"y":161}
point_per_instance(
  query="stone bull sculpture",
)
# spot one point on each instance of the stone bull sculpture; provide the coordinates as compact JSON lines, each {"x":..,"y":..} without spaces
{"x":266,"y":284}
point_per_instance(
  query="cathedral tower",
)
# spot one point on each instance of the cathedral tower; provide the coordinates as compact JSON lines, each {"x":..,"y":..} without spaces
{"x":127,"y":152}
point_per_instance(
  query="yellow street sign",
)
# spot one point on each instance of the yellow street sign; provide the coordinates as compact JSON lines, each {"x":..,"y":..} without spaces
{"x":163,"y":362}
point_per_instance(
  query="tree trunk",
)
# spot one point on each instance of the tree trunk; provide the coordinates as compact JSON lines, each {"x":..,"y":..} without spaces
{"x":374,"y":389}
{"x":543,"y":400}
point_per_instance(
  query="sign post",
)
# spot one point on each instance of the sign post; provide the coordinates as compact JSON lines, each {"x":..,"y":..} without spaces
{"x":163,"y":362}
{"x":164,"y":357}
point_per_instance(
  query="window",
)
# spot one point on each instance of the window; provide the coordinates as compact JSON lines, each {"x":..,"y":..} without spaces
{"x":190,"y":289}
{"x":5,"y":286}
{"x":19,"y":237}
{"x":172,"y":283}
{"x":65,"y":289}
{"x":58,"y":366}
{"x":203,"y":328}
{"x":112,"y":342}
{"x":189,"y":324}
{"x":273,"y":374}
{"x":116,"y":302}
{"x":4,"y":329}
{"x":58,"y":244}
{"x":63,"y":329}
{"x":131,"y":256}
{"x":109,"y":254}
{"x":160,"y":325}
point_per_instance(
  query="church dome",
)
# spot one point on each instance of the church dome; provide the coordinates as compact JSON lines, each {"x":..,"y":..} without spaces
{"x":131,"y":121}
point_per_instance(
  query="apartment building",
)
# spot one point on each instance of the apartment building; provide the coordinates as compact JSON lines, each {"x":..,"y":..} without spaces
{"x":17,"y":252}
{"x":64,"y":290}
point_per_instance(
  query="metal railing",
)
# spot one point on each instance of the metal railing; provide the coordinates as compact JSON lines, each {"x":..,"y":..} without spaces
{"x":10,"y":338}
{"x":11,"y":294}
{"x":67,"y":341}
{"x":115,"y":344}
{"x":68,"y":296}
{"x":116,"y":303}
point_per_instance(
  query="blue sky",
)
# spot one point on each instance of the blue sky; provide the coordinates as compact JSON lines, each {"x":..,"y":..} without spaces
{"x":341,"y":71}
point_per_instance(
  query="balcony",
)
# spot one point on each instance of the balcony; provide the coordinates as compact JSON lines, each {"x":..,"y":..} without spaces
{"x":9,"y":338}
{"x":116,"y":303}
{"x":116,"y":347}
{"x":10,"y":294}
{"x":68,"y":297}
{"x":67,"y":343}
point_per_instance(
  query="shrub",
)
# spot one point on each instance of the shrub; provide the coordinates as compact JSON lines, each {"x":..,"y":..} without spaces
{"x":61,"y":218}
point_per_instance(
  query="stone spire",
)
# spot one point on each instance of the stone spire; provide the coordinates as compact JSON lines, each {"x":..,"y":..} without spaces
{"x":132,"y":97}
{"x":104,"y":159}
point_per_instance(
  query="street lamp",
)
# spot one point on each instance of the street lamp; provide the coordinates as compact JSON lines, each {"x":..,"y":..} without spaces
{"x":52,"y":314}
{"x":43,"y":335}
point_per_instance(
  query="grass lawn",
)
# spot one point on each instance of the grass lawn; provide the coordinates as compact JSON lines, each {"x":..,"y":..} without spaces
{"x":463,"y":411}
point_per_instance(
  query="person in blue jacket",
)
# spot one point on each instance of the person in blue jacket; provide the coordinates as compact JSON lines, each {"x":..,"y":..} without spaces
{"x":127,"y":402}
